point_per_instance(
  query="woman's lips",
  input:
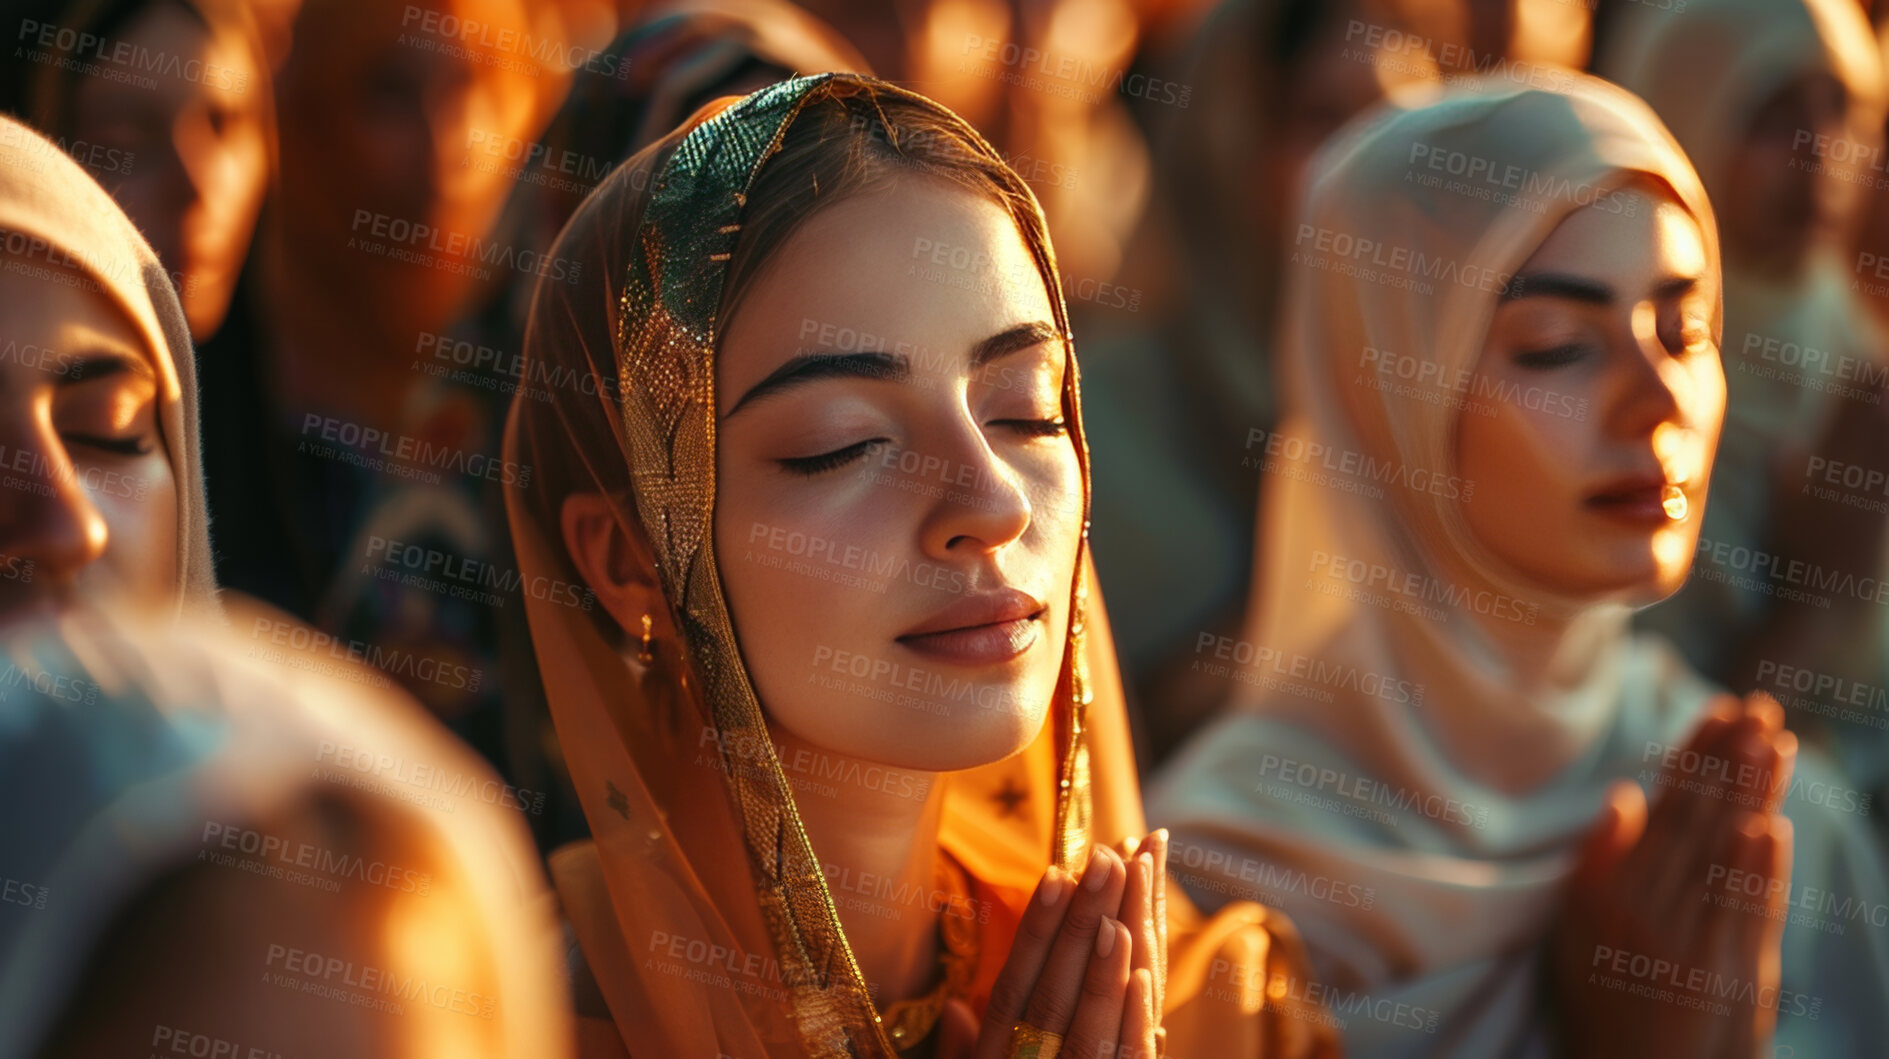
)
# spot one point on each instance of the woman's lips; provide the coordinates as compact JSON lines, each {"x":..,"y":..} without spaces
{"x":1641,"y":503}
{"x":978,"y":645}
{"x":985,"y":629}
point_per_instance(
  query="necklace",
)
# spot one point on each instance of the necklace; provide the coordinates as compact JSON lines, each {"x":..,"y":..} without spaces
{"x":909,"y":1022}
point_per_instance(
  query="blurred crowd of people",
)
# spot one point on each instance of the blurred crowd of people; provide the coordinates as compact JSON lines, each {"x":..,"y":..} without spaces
{"x":1505,"y":658}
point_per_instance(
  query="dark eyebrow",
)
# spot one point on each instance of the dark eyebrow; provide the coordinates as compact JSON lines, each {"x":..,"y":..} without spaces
{"x":1015,"y":340}
{"x":103,"y":364}
{"x":886,"y":367}
{"x":1557,"y":285}
{"x":1677,"y":287}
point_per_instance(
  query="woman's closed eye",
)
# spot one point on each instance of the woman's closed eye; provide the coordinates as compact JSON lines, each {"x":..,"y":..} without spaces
{"x":834,"y":459}
{"x":136,"y":445}
{"x":830,"y":461}
{"x":1551,"y":357}
{"x":1053,"y":427}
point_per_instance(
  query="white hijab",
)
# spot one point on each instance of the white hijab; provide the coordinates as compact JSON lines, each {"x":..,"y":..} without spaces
{"x":1391,"y":774}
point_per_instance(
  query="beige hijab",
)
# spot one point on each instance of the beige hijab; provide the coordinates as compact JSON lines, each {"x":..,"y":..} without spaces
{"x":1391,"y":770}
{"x":47,"y":201}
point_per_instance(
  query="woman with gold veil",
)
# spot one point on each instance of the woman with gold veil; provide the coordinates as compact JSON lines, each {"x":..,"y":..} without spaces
{"x":846,"y":696}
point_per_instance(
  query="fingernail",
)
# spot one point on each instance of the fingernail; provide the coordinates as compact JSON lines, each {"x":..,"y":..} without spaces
{"x":1145,"y":865}
{"x":1096,"y":875}
{"x":1054,"y":886}
{"x":1105,"y":937}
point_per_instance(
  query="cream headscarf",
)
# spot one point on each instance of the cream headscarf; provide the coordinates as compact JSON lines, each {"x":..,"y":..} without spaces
{"x":47,"y":201}
{"x":1399,"y":779}
{"x":1422,"y":853}
{"x":1705,"y":70}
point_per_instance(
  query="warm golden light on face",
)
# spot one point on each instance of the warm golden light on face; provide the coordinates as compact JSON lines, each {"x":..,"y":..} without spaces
{"x":900,"y":501}
{"x":1614,"y":316}
{"x":1680,"y":453}
{"x":92,"y":501}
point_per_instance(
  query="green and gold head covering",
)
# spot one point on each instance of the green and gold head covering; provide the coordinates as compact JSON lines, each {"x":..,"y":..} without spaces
{"x":653,"y":247}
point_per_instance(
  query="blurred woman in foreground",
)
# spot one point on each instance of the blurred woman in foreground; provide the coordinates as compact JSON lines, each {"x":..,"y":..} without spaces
{"x":240,"y":842}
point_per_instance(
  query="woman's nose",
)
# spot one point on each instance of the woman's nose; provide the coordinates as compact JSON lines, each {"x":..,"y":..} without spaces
{"x":46,"y":516}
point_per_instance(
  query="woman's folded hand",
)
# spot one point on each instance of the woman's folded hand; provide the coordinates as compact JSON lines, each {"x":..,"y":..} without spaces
{"x":1653,"y":947}
{"x":1088,"y":965}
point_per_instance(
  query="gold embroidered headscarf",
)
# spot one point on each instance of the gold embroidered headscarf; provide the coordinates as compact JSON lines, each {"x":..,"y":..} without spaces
{"x":724,"y":938}
{"x":617,"y":742}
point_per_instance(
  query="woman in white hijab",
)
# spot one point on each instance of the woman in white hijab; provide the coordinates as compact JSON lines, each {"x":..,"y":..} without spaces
{"x":1502,"y":391}
{"x":218,"y":837}
{"x":102,"y":495}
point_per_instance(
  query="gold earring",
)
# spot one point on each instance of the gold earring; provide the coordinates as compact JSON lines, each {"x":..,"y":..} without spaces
{"x":644,"y":656}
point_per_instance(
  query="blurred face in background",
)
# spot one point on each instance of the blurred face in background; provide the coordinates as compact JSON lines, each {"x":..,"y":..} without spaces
{"x":387,"y":113}
{"x":1778,"y":197}
{"x":1601,"y":489}
{"x":200,"y":152}
{"x":1336,"y":77}
{"x":1270,"y":85}
{"x":88,"y":501}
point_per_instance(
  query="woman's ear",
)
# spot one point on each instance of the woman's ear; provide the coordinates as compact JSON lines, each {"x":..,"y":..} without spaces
{"x":616,"y":564}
